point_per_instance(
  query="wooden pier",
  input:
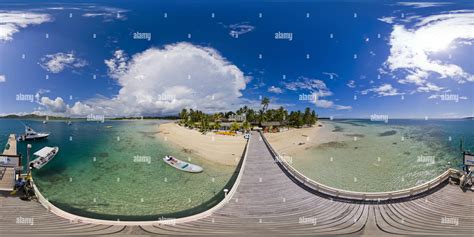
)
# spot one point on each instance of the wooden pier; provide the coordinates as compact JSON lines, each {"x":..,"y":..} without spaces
{"x":270,"y":201}
{"x":9,"y":163}
{"x":10,"y":148}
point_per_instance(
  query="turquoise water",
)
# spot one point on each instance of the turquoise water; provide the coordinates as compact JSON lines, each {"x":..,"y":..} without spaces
{"x":105,"y":172}
{"x":380,"y":160}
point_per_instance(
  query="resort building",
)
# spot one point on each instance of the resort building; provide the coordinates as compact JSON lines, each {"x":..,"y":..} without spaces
{"x":273,"y":126}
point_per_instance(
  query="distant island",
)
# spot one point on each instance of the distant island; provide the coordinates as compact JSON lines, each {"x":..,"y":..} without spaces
{"x":35,"y":117}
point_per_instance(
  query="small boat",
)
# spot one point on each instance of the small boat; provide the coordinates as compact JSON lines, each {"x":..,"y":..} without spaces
{"x":108,"y":126}
{"x":30,"y":134}
{"x":45,"y":122}
{"x":69,"y":123}
{"x":45,"y":155}
{"x":181,"y":165}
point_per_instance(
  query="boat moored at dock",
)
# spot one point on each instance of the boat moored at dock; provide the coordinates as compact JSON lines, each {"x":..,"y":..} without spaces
{"x":45,"y":155}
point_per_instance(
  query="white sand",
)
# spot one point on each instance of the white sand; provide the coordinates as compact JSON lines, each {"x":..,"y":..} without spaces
{"x":295,"y":140}
{"x":221,"y":149}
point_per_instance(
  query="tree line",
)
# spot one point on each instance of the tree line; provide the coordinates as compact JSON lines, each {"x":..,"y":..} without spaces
{"x":248,"y":117}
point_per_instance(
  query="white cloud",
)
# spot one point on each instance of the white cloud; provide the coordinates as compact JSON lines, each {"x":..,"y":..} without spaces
{"x":318,"y":89}
{"x":276,"y":90}
{"x":117,"y":66}
{"x":57,"y":105}
{"x":422,"y":4}
{"x":323,"y":103}
{"x":162,"y":81}
{"x":417,"y":77}
{"x":351,"y":84}
{"x":3,"y":78}
{"x":383,"y":90}
{"x":80,"y":109}
{"x":342,"y":107}
{"x":331,"y":75}
{"x":412,"y":47}
{"x":314,"y":85}
{"x":327,"y":104}
{"x":239,"y":29}
{"x":56,"y":63}
{"x":107,"y":13}
{"x":429,"y":87}
{"x":12,"y":21}
{"x":388,"y":19}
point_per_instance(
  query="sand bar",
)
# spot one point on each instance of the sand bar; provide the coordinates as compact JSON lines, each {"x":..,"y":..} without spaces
{"x":225,"y":150}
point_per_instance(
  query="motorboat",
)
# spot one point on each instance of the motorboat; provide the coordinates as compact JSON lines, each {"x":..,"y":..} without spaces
{"x":43,"y":156}
{"x":31,"y":134}
{"x":182,"y":165}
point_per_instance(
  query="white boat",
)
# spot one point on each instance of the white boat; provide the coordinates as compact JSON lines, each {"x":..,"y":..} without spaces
{"x":31,"y":134}
{"x":69,"y":123}
{"x":45,"y":155}
{"x":181,"y":165}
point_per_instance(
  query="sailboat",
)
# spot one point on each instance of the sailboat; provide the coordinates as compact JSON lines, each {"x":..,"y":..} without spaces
{"x":31,"y":134}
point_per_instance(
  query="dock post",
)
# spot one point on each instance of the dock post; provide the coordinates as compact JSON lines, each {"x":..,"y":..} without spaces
{"x":28,"y":149}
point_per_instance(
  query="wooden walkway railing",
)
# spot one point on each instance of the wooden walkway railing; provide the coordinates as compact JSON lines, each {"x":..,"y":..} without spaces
{"x":360,"y":196}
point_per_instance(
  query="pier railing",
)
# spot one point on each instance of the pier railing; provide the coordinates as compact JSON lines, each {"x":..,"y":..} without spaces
{"x":164,"y":221}
{"x":352,"y":195}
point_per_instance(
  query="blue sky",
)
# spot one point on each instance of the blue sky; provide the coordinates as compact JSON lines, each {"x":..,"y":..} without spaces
{"x":404,"y":60}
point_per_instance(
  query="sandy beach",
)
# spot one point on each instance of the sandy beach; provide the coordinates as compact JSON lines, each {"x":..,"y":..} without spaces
{"x":295,"y":140}
{"x":221,"y":149}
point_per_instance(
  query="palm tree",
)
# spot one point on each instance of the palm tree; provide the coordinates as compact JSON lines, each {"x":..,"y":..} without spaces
{"x":216,"y":117}
{"x":184,"y":114}
{"x":262,"y":116}
{"x":217,"y":125}
{"x":251,"y":116}
{"x":281,"y":115}
{"x":265,"y":102}
{"x":307,"y":117}
{"x":234,"y":127}
{"x":246,"y":126}
{"x":204,"y":124}
{"x":314,"y":117}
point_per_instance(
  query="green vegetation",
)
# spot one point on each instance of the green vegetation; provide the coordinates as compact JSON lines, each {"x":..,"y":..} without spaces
{"x":244,"y":118}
